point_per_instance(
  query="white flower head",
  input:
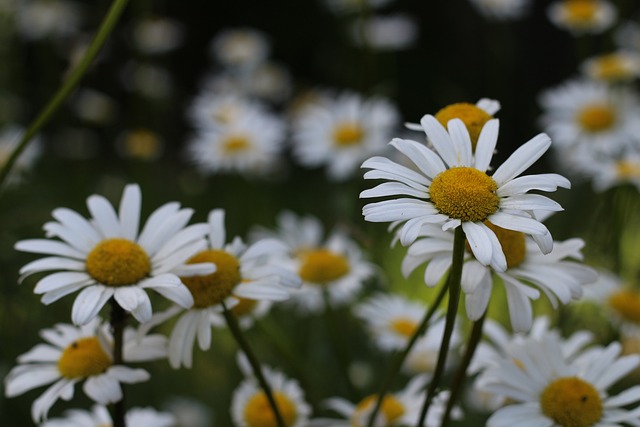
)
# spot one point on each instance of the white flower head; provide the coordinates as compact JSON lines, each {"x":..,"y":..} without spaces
{"x":99,"y":417}
{"x":547,"y":388}
{"x":333,"y":264}
{"x":244,"y":272}
{"x":339,"y":133}
{"x":80,"y":354}
{"x":107,"y":256}
{"x":240,"y":47}
{"x":386,"y":32}
{"x":614,"y":67}
{"x":39,"y":19}
{"x":582,"y":16}
{"x":502,"y":10}
{"x":452,"y":188}
{"x":157,"y":35}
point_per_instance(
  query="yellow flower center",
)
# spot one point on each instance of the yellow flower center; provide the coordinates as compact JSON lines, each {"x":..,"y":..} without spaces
{"x":258,"y":412}
{"x":596,"y":117}
{"x":118,"y":262}
{"x":404,"y":326}
{"x":628,"y":169}
{"x":83,"y":358}
{"x":611,"y":67}
{"x":571,"y":402}
{"x":141,"y":144}
{"x":512,"y":243}
{"x":626,"y":303}
{"x":474,"y":118}
{"x":348,"y":134}
{"x":321,"y":266}
{"x":244,"y":306}
{"x":213,"y":288}
{"x":235,"y":143}
{"x":580,"y":11}
{"x":464,"y":193}
{"x":391,"y":408}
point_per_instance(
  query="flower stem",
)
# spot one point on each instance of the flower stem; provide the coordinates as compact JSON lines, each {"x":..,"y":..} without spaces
{"x":455,"y":275}
{"x":399,"y":358}
{"x":118,"y":321}
{"x":234,"y":327}
{"x":458,"y":381}
{"x":108,"y":23}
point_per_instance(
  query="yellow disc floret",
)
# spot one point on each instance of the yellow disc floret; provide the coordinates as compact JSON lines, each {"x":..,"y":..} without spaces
{"x":348,"y":134}
{"x":464,"y":193}
{"x":118,"y":262}
{"x":628,"y":169}
{"x":626,"y":303}
{"x":512,"y":243}
{"x":612,"y":67}
{"x":321,"y":266}
{"x":235,"y":143}
{"x":404,"y":326}
{"x":580,"y":12}
{"x":474,"y":118}
{"x":571,"y":402}
{"x":392,"y":409}
{"x":213,"y":288}
{"x":83,"y":358}
{"x":258,"y":412}
{"x":596,"y":117}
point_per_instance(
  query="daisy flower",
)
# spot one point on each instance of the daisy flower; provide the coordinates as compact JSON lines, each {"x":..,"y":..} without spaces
{"x":106,"y":256}
{"x":341,"y":132}
{"x":252,"y":143}
{"x":386,"y":32}
{"x":41,"y":19}
{"x":212,"y":110}
{"x":250,"y":407}
{"x":627,"y":36}
{"x":452,"y":189}
{"x":502,"y":10}
{"x":548,"y":390}
{"x":157,"y":35}
{"x":614,"y":67}
{"x":251,"y":272}
{"x":583,"y":114}
{"x":333,"y":265}
{"x":240,"y":47}
{"x":557,"y":273}
{"x":582,"y":16}
{"x":80,"y":354}
{"x":99,"y":417}
{"x":398,"y":409}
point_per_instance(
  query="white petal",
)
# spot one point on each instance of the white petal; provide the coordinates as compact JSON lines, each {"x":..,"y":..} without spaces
{"x":155,"y":220}
{"x":521,"y":159}
{"x":102,"y":389}
{"x":55,"y":281}
{"x":105,"y":218}
{"x":27,"y":378}
{"x":476,"y":302}
{"x":134,"y":300}
{"x":489,"y":106}
{"x":130,"y":211}
{"x":478,"y":241}
{"x":529,"y":202}
{"x":42,"y":404}
{"x":518,"y":223}
{"x":393,"y":189}
{"x":542,"y":182}
{"x":426,"y":160}
{"x":217,"y":231}
{"x":384,"y":168}
{"x":89,"y":302}
{"x":51,"y":263}
{"x":461,"y":141}
{"x":182,"y":339}
{"x":49,"y":247}
{"x":440,"y":139}
{"x":486,"y":144}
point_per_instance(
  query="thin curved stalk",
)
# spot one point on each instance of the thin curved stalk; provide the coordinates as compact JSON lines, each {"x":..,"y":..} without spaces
{"x":118,"y":321}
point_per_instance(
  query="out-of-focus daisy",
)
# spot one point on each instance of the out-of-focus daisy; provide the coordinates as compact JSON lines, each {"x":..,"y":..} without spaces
{"x":189,"y":412}
{"x":452,"y":189}
{"x":106,"y":256}
{"x":548,"y":390}
{"x":157,"y":35}
{"x":146,"y":79}
{"x":592,"y":114}
{"x":250,"y":406}
{"x":353,"y":6}
{"x":99,"y":417}
{"x":94,"y":107}
{"x":341,"y":132}
{"x":605,"y":170}
{"x":250,"y":144}
{"x":245,"y":272}
{"x":40,"y":19}
{"x":268,"y":81}
{"x":627,"y":36}
{"x":474,"y":116}
{"x":80,"y":354}
{"x":556,"y":273}
{"x":240,"y":47}
{"x":212,"y":110}
{"x":386,"y":32}
{"x":613,"y":67}
{"x":502,"y":10}
{"x":398,"y":409}
{"x":331,"y":266}
{"x":9,"y":139}
{"x":140,"y":144}
{"x":582,"y":16}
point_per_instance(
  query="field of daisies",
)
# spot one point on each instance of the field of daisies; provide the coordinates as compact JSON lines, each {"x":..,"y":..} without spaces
{"x":325,"y":213}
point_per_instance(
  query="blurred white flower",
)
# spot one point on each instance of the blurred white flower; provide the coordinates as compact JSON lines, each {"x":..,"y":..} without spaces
{"x":40,"y":19}
{"x":157,"y":35}
{"x":502,"y":10}
{"x":614,"y":67}
{"x":240,"y":47}
{"x":385,"y":32}
{"x":582,"y":16}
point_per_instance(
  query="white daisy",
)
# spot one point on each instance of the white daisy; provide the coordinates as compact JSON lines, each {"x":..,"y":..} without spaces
{"x":189,"y":412}
{"x":452,"y":188}
{"x":107,"y":256}
{"x":386,"y":32}
{"x":250,"y":144}
{"x":240,"y":47}
{"x":140,"y":144}
{"x":250,"y":407}
{"x":556,"y":273}
{"x":248,"y":272}
{"x":99,"y":417}
{"x":582,"y":16}
{"x":40,"y":19}
{"x":614,"y":67}
{"x":341,"y":132}
{"x":589,"y":115}
{"x":398,"y":409}
{"x":157,"y":35}
{"x":212,"y":110}
{"x":331,"y":265}
{"x":548,"y":390}
{"x":80,"y":354}
{"x":627,"y":36}
{"x":502,"y":10}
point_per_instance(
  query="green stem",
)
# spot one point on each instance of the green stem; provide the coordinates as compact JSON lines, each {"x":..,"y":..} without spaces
{"x":118,"y":321}
{"x":458,"y":381}
{"x":108,"y":23}
{"x":234,"y":327}
{"x":399,"y":358}
{"x":455,"y":276}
